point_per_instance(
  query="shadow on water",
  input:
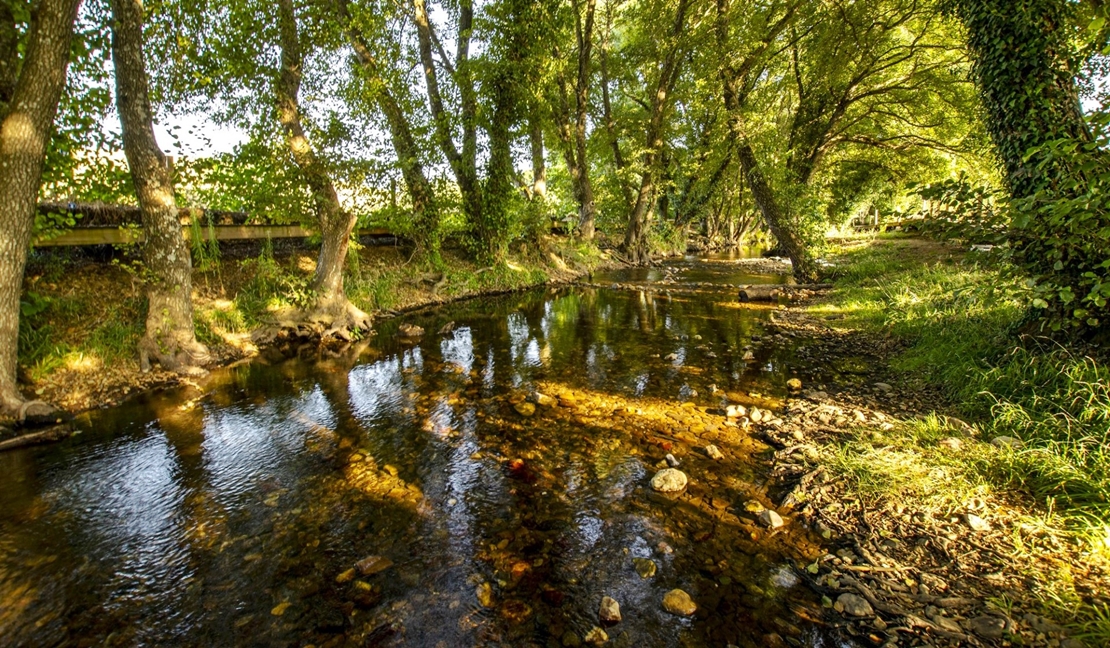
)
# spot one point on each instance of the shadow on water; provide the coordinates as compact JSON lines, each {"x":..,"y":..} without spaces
{"x":237,"y":516}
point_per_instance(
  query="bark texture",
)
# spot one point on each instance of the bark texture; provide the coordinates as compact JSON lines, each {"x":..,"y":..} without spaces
{"x":572,"y":126}
{"x":170,"y":338}
{"x":24,"y":133}
{"x":336,"y":224}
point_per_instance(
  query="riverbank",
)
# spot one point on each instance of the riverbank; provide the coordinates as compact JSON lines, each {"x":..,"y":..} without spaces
{"x":83,"y":313}
{"x":954,"y":466}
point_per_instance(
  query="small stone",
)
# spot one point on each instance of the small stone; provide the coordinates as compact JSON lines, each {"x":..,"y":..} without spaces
{"x":484,"y":592}
{"x":735,"y":411}
{"x":713,"y":452}
{"x":525,"y":408}
{"x":756,"y":415}
{"x":280,"y":608}
{"x":596,"y":636}
{"x":545,"y":400}
{"x":610,"y":611}
{"x":976,"y":523}
{"x":853,"y":605}
{"x":410,"y":330}
{"x":883,"y":387}
{"x":645,"y":567}
{"x":754,"y":506}
{"x":1004,"y":442}
{"x":794,"y":384}
{"x":669,"y":480}
{"x":671,"y":460}
{"x":373,"y":564}
{"x":679,"y":602}
{"x":988,"y":627}
{"x":346,"y":577}
{"x":771,"y":519}
{"x":952,"y":443}
{"x":748,"y":356}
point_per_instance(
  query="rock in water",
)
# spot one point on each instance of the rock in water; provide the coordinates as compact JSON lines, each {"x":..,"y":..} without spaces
{"x":645,"y":567}
{"x":525,"y":408}
{"x":669,"y":480}
{"x":545,"y":400}
{"x":373,"y":564}
{"x":610,"y":611}
{"x":484,"y":592}
{"x":853,"y":605}
{"x":679,"y":602}
{"x":736,"y":411}
{"x":410,"y":330}
{"x":713,"y":452}
{"x":596,"y":636}
{"x":671,"y":460}
{"x":794,"y":385}
{"x":771,"y":519}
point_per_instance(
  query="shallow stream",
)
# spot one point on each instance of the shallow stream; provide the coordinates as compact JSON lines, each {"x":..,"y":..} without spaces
{"x":396,"y":495}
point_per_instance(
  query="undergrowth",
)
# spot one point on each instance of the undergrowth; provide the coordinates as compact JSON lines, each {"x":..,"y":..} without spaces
{"x":958,"y":319}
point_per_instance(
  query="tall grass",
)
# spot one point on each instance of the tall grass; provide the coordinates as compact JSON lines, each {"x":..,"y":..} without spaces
{"x":959,"y":321}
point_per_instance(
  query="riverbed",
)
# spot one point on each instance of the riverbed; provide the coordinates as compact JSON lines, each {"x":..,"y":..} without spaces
{"x":484,"y":483}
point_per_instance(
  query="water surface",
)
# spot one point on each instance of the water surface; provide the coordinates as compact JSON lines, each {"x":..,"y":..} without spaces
{"x":237,"y":516}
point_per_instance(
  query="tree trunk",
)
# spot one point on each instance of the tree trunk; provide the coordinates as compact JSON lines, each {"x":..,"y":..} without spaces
{"x":539,"y":167}
{"x":804,"y":271}
{"x":635,"y":245}
{"x":425,"y":209}
{"x":587,"y":209}
{"x":170,"y":337}
{"x":335,"y":223}
{"x":24,"y":134}
{"x":9,"y":55}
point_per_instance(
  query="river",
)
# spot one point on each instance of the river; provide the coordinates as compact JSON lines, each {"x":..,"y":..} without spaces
{"x":400,"y":493}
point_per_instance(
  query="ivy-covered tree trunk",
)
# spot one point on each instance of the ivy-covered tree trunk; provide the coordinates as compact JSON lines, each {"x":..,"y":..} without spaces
{"x":24,"y":134}
{"x":170,"y":338}
{"x":336,"y":224}
{"x":1024,"y":67}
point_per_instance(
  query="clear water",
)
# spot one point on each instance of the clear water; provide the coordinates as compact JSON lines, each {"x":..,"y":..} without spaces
{"x":235,"y":514}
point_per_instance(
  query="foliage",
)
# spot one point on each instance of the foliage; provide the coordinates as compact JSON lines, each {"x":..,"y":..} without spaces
{"x":1026,"y":61}
{"x":959,"y":209}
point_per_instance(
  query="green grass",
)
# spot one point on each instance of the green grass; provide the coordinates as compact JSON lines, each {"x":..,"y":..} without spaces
{"x":958,"y":318}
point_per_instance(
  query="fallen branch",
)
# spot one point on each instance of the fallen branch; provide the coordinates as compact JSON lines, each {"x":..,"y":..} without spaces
{"x":56,"y":433}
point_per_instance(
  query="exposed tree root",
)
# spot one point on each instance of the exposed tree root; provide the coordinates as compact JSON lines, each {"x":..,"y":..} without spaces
{"x":186,"y":357}
{"x":331,"y":319}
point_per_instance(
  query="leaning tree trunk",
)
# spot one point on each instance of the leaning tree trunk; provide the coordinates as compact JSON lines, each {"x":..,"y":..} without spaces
{"x":24,"y":134}
{"x":804,"y":271}
{"x":170,"y":337}
{"x":336,"y":224}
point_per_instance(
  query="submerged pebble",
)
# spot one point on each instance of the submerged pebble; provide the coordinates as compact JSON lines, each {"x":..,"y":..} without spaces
{"x":669,"y":480}
{"x":679,"y":602}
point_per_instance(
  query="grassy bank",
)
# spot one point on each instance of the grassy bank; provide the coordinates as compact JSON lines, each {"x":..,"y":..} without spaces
{"x":83,"y":316}
{"x":958,"y":326}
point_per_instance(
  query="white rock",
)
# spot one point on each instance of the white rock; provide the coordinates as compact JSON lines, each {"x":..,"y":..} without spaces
{"x":771,"y":519}
{"x":669,"y":480}
{"x":977,"y":523}
{"x":713,"y":452}
{"x":610,"y":611}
